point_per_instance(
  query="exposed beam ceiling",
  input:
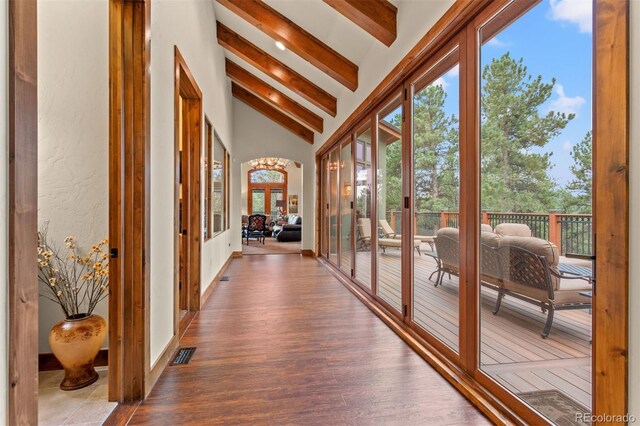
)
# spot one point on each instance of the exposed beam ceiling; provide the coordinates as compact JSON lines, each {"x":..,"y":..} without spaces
{"x":377,"y":17}
{"x":244,"y":49}
{"x":273,"y":96}
{"x":299,"y":41}
{"x":271,"y":112}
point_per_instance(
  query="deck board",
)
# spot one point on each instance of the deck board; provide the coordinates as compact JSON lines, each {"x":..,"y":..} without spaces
{"x":508,"y":339}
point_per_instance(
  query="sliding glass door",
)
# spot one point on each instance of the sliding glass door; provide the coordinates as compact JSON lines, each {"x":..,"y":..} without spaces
{"x":435,"y":111}
{"x":388,"y":225}
{"x":346,"y":207}
{"x":364,"y":205}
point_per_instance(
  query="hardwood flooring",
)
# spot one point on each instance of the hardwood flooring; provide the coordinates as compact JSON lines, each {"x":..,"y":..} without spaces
{"x":283,"y":342}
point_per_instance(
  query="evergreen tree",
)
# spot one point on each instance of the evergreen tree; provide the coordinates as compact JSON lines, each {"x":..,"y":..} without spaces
{"x":514,"y":176}
{"x":580,"y":186}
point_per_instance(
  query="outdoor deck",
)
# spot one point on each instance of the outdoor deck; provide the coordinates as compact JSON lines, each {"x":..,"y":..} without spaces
{"x":512,"y":350}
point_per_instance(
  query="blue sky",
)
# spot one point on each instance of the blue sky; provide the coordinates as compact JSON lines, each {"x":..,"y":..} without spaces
{"x":554,"y":39}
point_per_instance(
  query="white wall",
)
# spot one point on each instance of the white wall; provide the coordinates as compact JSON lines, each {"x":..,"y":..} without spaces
{"x":73,"y":130}
{"x":4,"y":244}
{"x":294,"y":185}
{"x":634,"y":179}
{"x":191,"y":26}
{"x":257,"y":136}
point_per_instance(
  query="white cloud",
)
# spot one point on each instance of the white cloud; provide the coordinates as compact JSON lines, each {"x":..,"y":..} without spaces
{"x":575,"y":11}
{"x":567,"y":146}
{"x":565,"y":103}
{"x":453,"y":72}
{"x":440,"y":82}
{"x":495,"y":42}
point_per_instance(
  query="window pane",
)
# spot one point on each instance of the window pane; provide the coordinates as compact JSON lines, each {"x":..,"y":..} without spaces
{"x":535,"y":158}
{"x":364,"y":183}
{"x":436,"y":190}
{"x":218,"y":172}
{"x":390,"y":203}
{"x":345,"y":208}
{"x":257,"y":201}
{"x":333,"y":205}
{"x":267,"y":176}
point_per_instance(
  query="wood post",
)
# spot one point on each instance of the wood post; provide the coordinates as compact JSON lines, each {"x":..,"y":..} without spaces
{"x":485,"y":218}
{"x":444,"y":218}
{"x":555,"y":230}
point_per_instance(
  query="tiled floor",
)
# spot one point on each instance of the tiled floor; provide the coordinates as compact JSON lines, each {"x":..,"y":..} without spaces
{"x":86,"y":406}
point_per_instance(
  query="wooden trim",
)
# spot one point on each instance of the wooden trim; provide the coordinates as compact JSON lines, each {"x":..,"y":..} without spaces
{"x":122,"y":414}
{"x":377,"y":17}
{"x":129,"y":344}
{"x":454,"y":19}
{"x":216,"y":280}
{"x":116,"y":204}
{"x":296,"y":39}
{"x":208,"y":177}
{"x":611,"y":206}
{"x":49,"y":362}
{"x":272,"y":95}
{"x":267,"y":187}
{"x":188,"y":97}
{"x":479,"y":396}
{"x":22,"y":213}
{"x":308,"y":253}
{"x":162,"y":362}
{"x":236,"y":254}
{"x":274,"y":114}
{"x":275,"y":69}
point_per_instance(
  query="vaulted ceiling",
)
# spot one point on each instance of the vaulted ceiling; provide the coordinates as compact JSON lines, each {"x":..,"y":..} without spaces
{"x":326,"y":42}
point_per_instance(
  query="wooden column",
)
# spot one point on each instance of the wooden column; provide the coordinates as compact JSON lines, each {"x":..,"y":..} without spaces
{"x":22,"y":214}
{"x":129,"y":198}
{"x":611,"y":212}
{"x":555,"y":231}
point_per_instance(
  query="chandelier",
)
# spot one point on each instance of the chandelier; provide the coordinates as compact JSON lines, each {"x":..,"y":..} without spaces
{"x":268,"y":163}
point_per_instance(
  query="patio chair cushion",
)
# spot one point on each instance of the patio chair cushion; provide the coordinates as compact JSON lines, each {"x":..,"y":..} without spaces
{"x":393,"y":242}
{"x":485,"y":227}
{"x":513,"y":230}
{"x":489,"y":265}
{"x":538,"y":246}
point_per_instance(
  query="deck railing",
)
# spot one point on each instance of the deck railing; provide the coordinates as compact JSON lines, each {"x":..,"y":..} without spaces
{"x":572,"y":233}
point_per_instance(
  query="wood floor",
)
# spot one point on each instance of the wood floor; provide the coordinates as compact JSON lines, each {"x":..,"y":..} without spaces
{"x":512,"y":350}
{"x":283,"y":342}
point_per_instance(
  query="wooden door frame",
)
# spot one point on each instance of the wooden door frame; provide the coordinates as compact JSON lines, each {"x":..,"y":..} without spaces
{"x":187,"y":90}
{"x":267,"y":186}
{"x":22,"y":191}
{"x":128,"y":160}
{"x":129,"y":194}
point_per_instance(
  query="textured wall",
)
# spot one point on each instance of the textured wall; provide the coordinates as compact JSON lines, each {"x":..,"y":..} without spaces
{"x":73,"y":129}
{"x":191,"y":26}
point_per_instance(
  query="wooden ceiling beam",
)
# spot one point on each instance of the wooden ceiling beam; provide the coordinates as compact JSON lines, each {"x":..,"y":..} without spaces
{"x":274,"y":114}
{"x":377,"y":17}
{"x":272,"y":95}
{"x":244,"y":49}
{"x":296,"y":39}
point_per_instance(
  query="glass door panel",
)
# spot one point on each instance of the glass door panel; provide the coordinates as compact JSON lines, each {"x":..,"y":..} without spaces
{"x":325,"y":207}
{"x":346,"y":198}
{"x":389,"y":175}
{"x":258,"y":201}
{"x":277,"y":194}
{"x":436,"y":189}
{"x":363,"y":186}
{"x":535,"y":158}
{"x":333,"y":205}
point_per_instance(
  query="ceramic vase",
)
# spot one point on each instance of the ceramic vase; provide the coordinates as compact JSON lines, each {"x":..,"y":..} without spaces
{"x":75,"y":342}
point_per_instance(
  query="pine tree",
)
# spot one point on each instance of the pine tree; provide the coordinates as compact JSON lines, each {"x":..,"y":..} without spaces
{"x":580,"y":185}
{"x":514,"y":176}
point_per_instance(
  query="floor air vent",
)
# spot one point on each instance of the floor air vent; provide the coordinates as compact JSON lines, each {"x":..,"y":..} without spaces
{"x":183,"y":356}
{"x":225,"y":278}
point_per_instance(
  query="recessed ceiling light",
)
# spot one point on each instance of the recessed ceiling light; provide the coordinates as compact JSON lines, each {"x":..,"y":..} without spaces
{"x":280,"y":45}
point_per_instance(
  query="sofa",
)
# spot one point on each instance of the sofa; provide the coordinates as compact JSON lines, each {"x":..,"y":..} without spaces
{"x":291,"y":230}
